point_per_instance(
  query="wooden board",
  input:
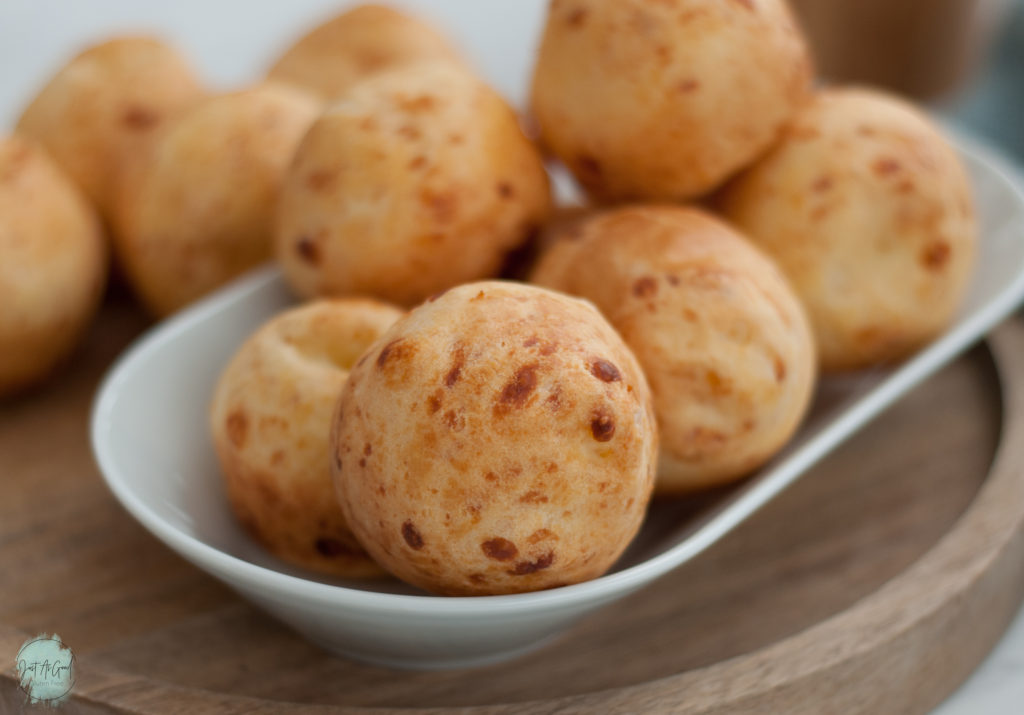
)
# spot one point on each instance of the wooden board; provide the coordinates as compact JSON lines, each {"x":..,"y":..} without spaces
{"x":875,"y":585}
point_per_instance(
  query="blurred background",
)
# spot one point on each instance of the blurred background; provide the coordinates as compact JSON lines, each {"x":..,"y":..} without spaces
{"x":964,"y":57}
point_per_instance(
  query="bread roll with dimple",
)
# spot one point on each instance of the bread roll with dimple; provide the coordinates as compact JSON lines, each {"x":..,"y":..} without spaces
{"x":270,"y":419}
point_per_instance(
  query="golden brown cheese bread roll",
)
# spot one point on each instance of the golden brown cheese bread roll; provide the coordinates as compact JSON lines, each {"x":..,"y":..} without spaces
{"x":196,"y":210}
{"x":665,"y":99}
{"x":414,"y":181}
{"x":270,"y":418}
{"x":867,"y":209}
{"x":104,"y":105}
{"x":498,"y":439}
{"x":53,"y":264}
{"x":356,"y":44}
{"x":721,"y":336}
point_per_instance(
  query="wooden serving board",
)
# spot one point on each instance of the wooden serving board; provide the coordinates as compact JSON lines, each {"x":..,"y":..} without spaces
{"x":874,"y":586}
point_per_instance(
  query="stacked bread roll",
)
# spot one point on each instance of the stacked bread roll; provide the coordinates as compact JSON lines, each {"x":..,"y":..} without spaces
{"x":743,"y":231}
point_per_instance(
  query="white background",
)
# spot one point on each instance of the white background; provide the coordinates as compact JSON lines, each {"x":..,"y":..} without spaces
{"x":232,"y":42}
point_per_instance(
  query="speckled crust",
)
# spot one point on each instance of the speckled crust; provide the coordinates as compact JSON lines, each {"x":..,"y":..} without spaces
{"x":416,"y":180}
{"x":356,"y":44}
{"x":104,"y":105}
{"x":53,"y":264}
{"x":867,"y":209}
{"x":498,"y":439}
{"x":197,"y":209}
{"x":722,"y":339}
{"x":664,"y":99}
{"x":270,"y":419}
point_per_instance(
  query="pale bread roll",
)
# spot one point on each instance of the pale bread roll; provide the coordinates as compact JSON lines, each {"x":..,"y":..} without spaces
{"x":356,"y":44}
{"x":197,"y":208}
{"x":867,"y":209}
{"x":270,"y":419}
{"x":656,"y":100}
{"x":104,"y":105}
{"x":53,"y":264}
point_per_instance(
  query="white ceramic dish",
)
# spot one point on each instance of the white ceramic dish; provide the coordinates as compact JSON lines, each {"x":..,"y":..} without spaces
{"x":150,"y":437}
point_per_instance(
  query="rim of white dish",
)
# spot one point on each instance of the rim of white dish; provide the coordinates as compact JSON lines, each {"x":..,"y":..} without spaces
{"x":154,"y":340}
{"x":226,"y":567}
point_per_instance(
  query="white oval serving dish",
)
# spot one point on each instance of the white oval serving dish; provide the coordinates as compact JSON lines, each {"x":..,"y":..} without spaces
{"x":150,"y":437}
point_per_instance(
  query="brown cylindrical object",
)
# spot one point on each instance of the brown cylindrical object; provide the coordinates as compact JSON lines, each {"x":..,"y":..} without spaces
{"x":923,"y":48}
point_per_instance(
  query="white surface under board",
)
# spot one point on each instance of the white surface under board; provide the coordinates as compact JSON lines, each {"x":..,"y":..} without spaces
{"x":997,"y":686}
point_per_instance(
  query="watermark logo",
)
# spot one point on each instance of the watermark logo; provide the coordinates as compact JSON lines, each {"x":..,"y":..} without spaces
{"x":46,"y":669}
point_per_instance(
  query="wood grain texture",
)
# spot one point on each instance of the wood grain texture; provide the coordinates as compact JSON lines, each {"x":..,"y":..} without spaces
{"x":875,"y":585}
